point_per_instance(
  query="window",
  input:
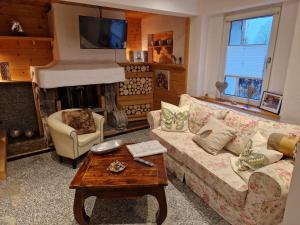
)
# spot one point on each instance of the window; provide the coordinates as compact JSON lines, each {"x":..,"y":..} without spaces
{"x":249,"y":42}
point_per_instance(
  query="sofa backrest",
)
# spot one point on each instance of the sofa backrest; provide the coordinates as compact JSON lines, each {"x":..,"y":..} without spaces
{"x":265,"y":126}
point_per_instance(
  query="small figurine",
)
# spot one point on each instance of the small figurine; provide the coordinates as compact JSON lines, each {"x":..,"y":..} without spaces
{"x":16,"y":28}
{"x":180,"y":60}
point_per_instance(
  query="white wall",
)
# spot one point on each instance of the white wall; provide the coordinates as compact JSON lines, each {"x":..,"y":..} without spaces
{"x":66,"y":31}
{"x":197,"y":50}
{"x":161,"y":23}
{"x":167,"y":7}
{"x":214,"y":31}
{"x":291,"y":95}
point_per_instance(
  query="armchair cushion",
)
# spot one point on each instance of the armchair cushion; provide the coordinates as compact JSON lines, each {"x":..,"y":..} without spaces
{"x":81,"y":120}
{"x":85,"y":139}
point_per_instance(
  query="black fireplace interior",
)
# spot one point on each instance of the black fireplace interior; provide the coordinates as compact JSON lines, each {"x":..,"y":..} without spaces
{"x":78,"y":97}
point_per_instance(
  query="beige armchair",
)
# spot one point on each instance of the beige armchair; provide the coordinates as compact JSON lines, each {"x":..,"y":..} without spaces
{"x":66,"y":141}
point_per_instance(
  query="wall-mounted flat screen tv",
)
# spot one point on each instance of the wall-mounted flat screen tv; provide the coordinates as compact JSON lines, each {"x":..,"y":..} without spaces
{"x":102,"y":33}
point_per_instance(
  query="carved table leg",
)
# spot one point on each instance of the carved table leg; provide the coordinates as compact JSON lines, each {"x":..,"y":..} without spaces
{"x":162,"y":211}
{"x":79,"y":212}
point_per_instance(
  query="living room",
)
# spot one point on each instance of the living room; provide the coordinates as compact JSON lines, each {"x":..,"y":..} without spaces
{"x":209,"y":87}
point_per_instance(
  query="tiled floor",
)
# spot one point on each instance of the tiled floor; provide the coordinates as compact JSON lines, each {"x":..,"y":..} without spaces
{"x":36,"y":193}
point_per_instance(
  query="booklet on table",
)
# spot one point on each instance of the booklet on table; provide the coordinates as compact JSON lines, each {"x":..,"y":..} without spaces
{"x":146,"y":148}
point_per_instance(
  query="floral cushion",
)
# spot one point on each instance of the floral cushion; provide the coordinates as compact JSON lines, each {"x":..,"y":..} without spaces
{"x":214,"y":170}
{"x":174,"y":142}
{"x":214,"y":136}
{"x":267,"y":127}
{"x":174,"y":118}
{"x":199,"y":114}
{"x":246,"y":127}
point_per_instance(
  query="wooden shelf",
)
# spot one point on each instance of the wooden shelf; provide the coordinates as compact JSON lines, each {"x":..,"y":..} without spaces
{"x":243,"y":107}
{"x":25,"y":38}
{"x":15,"y":81}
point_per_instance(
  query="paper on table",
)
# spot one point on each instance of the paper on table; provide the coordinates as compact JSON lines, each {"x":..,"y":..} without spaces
{"x":146,"y":148}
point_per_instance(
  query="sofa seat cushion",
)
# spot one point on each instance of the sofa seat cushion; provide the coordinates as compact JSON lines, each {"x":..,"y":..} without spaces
{"x":174,"y":142}
{"x":216,"y":171}
{"x":85,"y":139}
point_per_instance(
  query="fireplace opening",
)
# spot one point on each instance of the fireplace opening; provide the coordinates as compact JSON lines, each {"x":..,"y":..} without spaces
{"x":78,"y":97}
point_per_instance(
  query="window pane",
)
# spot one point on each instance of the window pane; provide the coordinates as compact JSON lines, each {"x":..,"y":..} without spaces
{"x":258,"y":30}
{"x":230,"y":90}
{"x":235,"y":37}
{"x":245,"y":83}
{"x":246,"y":61}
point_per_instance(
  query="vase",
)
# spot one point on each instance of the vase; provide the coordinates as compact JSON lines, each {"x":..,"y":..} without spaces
{"x":4,"y":69}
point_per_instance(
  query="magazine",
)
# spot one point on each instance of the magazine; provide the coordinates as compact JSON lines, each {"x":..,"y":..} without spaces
{"x":146,"y":148}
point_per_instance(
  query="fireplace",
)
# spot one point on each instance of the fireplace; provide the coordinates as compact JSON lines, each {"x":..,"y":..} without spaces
{"x":78,"y":97}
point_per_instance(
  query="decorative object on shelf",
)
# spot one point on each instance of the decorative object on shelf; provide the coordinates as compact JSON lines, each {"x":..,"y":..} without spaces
{"x":161,"y":42}
{"x":29,"y":133}
{"x":250,"y":92}
{"x":180,"y":60}
{"x":174,"y":59}
{"x":117,"y":166}
{"x":169,"y":41}
{"x":4,"y":67}
{"x":136,"y":86}
{"x":16,"y":28}
{"x":162,"y":79}
{"x":137,"y":68}
{"x":138,"y":56}
{"x":221,"y":87}
{"x":137,"y":110}
{"x":15,"y":133}
{"x":271,"y":102}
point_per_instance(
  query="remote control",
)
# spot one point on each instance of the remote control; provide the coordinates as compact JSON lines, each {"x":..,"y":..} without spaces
{"x":144,"y":162}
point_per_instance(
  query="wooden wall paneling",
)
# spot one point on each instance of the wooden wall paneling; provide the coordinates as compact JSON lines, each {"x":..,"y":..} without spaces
{"x":33,"y":18}
{"x":177,"y":86}
{"x":134,"y":35}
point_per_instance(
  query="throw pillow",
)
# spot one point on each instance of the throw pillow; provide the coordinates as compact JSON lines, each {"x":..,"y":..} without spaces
{"x":174,"y":118}
{"x":284,"y":144}
{"x":199,"y":115}
{"x":214,"y":136}
{"x":255,"y":155}
{"x":81,"y":120}
{"x":246,"y":127}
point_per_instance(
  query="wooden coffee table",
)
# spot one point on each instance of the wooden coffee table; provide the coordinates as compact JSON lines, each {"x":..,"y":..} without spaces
{"x":137,"y":180}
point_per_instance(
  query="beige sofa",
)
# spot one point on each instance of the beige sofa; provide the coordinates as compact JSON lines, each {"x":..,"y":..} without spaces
{"x":261,"y":201}
{"x":66,"y":141}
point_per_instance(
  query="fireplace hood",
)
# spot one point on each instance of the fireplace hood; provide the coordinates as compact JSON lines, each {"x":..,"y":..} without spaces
{"x":72,"y":73}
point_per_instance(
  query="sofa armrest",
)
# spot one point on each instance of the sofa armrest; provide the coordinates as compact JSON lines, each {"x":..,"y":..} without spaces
{"x":153,"y":118}
{"x":99,"y":121}
{"x":271,"y":182}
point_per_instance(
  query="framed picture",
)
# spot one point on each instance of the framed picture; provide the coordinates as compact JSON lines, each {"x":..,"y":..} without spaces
{"x":162,"y":79}
{"x":271,"y":102}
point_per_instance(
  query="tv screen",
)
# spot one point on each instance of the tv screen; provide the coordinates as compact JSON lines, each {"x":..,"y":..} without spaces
{"x":102,"y":33}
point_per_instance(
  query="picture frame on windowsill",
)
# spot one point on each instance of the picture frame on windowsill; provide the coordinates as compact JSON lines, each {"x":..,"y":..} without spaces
{"x":271,"y":102}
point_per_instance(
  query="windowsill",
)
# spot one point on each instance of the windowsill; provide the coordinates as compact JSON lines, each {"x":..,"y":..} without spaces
{"x":242,"y":107}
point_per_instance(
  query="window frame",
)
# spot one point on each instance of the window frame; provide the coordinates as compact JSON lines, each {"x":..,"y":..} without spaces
{"x":273,"y":11}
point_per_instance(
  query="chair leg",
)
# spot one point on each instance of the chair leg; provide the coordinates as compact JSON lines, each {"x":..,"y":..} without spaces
{"x":61,"y":159}
{"x":74,"y":163}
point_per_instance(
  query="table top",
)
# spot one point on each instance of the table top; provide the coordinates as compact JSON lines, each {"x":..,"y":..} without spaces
{"x":94,"y":174}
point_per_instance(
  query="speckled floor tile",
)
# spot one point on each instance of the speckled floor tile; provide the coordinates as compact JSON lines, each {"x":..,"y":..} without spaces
{"x":36,"y":193}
